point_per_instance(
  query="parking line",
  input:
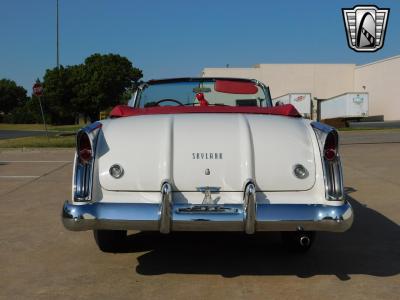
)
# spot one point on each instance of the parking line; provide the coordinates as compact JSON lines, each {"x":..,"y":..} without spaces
{"x":18,"y":176}
{"x":35,"y":161}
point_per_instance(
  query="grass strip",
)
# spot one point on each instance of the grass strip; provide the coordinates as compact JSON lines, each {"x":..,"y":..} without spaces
{"x":33,"y":127}
{"x":39,"y":142}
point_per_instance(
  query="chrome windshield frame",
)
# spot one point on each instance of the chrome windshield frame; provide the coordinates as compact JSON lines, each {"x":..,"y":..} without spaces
{"x":136,"y":97}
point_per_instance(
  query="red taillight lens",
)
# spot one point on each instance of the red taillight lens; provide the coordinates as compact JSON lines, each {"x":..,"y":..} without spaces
{"x":84,"y":148}
{"x":330,"y":148}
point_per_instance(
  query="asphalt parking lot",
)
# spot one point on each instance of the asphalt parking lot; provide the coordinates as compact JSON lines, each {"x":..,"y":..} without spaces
{"x":11,"y":134}
{"x":41,"y":260}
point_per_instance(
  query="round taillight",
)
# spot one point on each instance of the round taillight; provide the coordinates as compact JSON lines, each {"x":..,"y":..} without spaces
{"x":84,"y":148}
{"x":330,"y":148}
{"x":330,"y":154}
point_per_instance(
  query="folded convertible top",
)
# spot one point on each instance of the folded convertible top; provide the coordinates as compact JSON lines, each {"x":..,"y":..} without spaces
{"x":126,"y":111}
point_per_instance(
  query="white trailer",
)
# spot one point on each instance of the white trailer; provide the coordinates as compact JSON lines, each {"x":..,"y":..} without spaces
{"x":348,"y":105}
{"x":302,"y":102}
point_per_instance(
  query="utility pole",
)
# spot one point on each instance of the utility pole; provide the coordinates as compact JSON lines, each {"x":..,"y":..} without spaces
{"x":58,"y":44}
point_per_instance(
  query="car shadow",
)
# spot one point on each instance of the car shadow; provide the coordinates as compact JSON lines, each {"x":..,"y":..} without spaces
{"x":371,"y":246}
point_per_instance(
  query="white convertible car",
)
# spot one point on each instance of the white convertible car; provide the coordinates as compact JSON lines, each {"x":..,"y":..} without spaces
{"x":206,"y":154}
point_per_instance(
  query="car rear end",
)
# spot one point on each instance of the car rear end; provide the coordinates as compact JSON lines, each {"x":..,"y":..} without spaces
{"x":208,"y":171}
{"x":174,"y":175}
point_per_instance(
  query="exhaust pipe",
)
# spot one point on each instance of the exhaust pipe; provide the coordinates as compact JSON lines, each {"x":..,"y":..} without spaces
{"x":298,"y":241}
{"x":304,"y":241}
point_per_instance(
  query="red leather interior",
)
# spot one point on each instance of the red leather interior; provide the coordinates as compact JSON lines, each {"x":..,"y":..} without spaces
{"x":125,"y":111}
{"x":235,"y":87}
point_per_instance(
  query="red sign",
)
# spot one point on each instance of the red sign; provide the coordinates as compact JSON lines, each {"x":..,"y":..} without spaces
{"x":299,"y":98}
{"x":37,"y":89}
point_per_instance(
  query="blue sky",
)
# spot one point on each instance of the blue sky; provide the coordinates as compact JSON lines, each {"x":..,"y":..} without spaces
{"x":180,"y":37}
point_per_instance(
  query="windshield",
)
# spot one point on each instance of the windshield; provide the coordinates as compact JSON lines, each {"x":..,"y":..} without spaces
{"x":214,"y":91}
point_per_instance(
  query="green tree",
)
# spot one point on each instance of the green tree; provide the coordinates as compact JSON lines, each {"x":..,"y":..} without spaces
{"x":11,"y":95}
{"x":27,"y":114}
{"x":60,"y":86}
{"x":100,"y":83}
{"x":103,"y":82}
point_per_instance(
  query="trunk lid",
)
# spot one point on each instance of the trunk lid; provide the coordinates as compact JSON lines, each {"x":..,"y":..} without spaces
{"x":205,"y":150}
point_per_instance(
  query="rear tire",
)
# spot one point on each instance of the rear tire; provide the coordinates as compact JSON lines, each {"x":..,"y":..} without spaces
{"x":110,"y":240}
{"x":298,"y":241}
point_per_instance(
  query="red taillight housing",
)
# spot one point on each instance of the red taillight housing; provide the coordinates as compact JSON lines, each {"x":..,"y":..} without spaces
{"x":331,"y":146}
{"x":84,"y":148}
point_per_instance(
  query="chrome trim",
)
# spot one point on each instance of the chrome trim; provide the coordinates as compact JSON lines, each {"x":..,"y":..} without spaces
{"x":113,"y":216}
{"x":92,"y":127}
{"x":266,"y":91}
{"x":207,"y":208}
{"x":249,"y":207}
{"x":228,"y":217}
{"x":306,"y":173}
{"x":121,"y":169}
{"x":334,"y":178}
{"x":132,"y":101}
{"x":304,"y":240}
{"x":83,"y":173}
{"x":313,"y":217}
{"x":136,"y":97}
{"x":165,"y":208}
{"x":321,"y":126}
{"x":81,"y":182}
{"x":247,"y":182}
{"x":211,"y":189}
{"x":268,"y":217}
{"x":208,"y":191}
{"x":332,"y":170}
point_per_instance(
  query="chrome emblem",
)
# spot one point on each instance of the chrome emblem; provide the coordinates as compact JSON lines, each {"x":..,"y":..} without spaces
{"x":365,"y":27}
{"x":208,"y":191}
{"x":207,"y":155}
{"x":207,"y":172}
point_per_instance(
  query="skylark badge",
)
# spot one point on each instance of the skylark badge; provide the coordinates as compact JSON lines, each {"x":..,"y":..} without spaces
{"x":365,"y":27}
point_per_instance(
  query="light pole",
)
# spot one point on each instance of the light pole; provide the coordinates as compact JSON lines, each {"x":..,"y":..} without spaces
{"x":58,"y":46}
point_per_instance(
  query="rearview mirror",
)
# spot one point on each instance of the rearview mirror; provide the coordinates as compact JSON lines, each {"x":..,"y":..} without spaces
{"x":201,"y":90}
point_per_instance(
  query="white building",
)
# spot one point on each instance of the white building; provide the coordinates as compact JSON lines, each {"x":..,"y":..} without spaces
{"x":381,"y":79}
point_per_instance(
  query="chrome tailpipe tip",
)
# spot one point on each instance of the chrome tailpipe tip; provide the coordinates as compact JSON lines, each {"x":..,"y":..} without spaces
{"x":305,"y":241}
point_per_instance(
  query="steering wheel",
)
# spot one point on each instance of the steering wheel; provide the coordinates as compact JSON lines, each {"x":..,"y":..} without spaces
{"x":168,"y":100}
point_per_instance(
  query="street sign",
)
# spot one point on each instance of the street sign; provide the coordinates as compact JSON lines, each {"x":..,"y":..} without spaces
{"x":37,"y":89}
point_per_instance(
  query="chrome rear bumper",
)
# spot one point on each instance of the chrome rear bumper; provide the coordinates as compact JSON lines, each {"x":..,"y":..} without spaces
{"x":166,"y":217}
